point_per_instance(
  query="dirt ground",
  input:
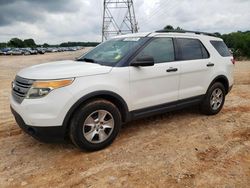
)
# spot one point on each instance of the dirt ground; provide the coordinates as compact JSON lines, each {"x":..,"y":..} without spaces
{"x":177,"y":149}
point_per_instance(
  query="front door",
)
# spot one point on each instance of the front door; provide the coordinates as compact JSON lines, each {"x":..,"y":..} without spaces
{"x":158,"y":84}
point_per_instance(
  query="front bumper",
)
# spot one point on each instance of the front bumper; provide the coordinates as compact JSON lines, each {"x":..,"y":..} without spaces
{"x":46,"y":111}
{"x":44,"y":134}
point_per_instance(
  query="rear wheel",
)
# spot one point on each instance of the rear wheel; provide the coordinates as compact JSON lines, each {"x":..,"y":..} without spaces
{"x":214,"y":99}
{"x":95,"y":125}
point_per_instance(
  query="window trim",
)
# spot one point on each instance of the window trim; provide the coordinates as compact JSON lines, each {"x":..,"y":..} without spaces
{"x":179,"y":52}
{"x":205,"y":50}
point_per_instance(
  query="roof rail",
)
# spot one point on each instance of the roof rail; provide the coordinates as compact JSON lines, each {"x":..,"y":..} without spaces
{"x":184,"y":31}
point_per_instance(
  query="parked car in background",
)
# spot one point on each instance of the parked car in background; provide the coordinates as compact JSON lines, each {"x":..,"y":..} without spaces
{"x":54,"y":50}
{"x":9,"y":52}
{"x":72,"y":49}
{"x":25,"y":51}
{"x":40,"y":50}
{"x":48,"y":50}
{"x":5,"y":50}
{"x":32,"y":51}
{"x":60,"y":49}
{"x":16,"y":51}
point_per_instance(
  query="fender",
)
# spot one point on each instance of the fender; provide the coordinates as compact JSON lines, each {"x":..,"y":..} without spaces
{"x":109,"y":95}
{"x":223,"y":79}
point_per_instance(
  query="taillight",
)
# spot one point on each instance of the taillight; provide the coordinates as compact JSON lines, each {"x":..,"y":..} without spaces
{"x":233,"y":60}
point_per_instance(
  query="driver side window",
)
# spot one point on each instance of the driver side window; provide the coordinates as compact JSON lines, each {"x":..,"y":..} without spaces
{"x":161,"y":49}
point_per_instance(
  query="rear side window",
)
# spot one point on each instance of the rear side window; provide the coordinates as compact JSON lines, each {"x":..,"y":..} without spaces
{"x":190,"y":49}
{"x":221,"y":48}
{"x":161,"y":49}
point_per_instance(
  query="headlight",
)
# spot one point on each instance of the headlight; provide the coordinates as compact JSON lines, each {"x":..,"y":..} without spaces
{"x":42,"y":88}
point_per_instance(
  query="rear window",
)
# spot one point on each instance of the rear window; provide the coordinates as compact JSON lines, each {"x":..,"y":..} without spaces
{"x":221,"y":48}
{"x":191,"y":49}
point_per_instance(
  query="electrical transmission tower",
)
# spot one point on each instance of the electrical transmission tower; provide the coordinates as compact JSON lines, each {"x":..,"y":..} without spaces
{"x":118,"y":18}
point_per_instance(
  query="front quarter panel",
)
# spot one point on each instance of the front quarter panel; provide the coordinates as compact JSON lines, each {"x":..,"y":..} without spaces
{"x":116,"y":81}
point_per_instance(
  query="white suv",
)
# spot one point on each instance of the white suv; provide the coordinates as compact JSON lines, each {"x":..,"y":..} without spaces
{"x":125,"y":78}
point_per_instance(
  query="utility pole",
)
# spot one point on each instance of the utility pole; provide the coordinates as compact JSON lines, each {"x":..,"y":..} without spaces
{"x":112,"y":25}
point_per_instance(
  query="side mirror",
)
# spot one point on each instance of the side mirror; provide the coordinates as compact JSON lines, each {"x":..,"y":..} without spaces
{"x":143,"y":61}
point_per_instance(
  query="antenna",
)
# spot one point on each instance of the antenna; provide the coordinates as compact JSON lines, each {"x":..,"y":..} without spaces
{"x":113,"y":25}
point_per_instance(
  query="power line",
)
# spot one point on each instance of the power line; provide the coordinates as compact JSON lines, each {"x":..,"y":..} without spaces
{"x":166,"y":12}
{"x":154,"y":12}
{"x":162,"y":10}
{"x":111,"y":25}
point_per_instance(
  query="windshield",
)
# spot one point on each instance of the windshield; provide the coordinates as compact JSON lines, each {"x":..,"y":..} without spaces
{"x":112,"y":51}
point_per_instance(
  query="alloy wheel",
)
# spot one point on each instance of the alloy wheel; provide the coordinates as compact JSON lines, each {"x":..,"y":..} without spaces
{"x":98,"y":126}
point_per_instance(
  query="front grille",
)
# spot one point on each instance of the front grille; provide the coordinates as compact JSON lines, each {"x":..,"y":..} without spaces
{"x":20,"y":88}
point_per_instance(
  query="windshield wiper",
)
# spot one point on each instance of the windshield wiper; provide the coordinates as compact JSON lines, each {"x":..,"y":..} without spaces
{"x":87,"y":60}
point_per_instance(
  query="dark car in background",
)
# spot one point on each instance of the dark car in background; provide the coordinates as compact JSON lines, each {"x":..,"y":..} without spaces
{"x":5,"y":50}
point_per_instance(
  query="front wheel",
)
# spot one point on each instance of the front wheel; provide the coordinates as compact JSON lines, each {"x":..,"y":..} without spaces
{"x":95,"y":125}
{"x":214,"y":99}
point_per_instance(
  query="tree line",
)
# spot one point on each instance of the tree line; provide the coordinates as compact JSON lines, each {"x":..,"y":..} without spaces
{"x":238,"y":42}
{"x":86,"y":44}
{"x":18,"y":43}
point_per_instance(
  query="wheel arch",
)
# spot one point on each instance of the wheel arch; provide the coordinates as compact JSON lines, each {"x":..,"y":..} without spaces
{"x":108,"y":95}
{"x":222,"y":79}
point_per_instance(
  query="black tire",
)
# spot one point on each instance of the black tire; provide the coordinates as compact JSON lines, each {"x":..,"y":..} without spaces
{"x":206,"y":107}
{"x":77,"y":129}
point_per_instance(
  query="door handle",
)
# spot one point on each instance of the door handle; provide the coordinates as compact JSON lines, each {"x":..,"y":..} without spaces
{"x":172,"y":69}
{"x":210,"y":65}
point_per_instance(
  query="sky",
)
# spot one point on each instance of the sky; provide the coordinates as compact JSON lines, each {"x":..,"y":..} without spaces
{"x":57,"y":21}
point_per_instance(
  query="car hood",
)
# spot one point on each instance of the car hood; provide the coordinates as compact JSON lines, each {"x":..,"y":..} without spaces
{"x":63,"y":69}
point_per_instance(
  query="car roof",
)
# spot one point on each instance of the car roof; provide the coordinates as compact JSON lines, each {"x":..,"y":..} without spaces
{"x":189,"y":34}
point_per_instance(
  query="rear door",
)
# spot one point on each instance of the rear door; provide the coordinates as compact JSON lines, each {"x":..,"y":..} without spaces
{"x":158,"y":84}
{"x":195,"y":67}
